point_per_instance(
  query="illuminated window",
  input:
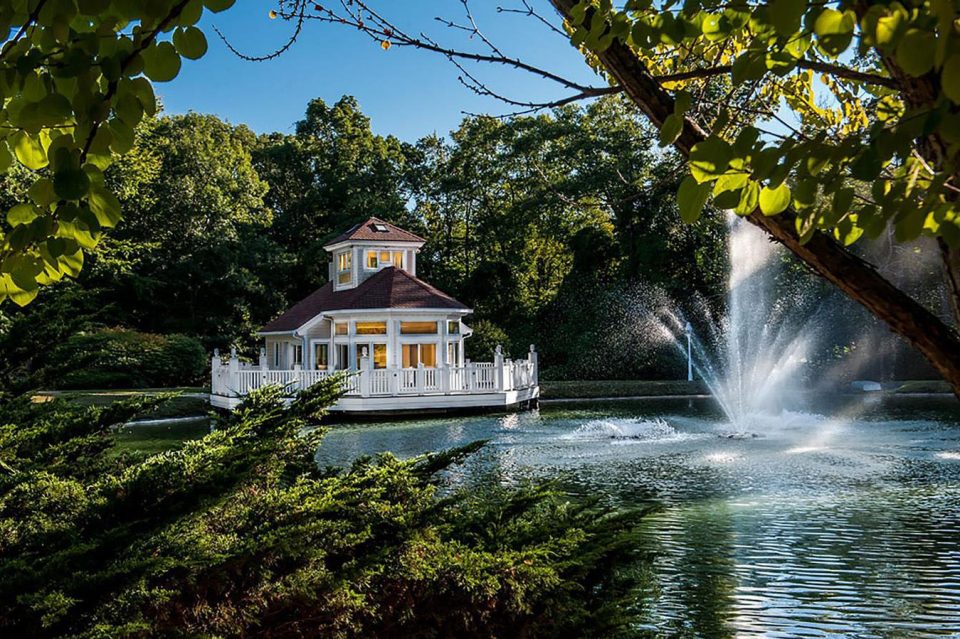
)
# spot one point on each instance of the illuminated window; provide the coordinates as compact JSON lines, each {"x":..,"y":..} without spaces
{"x":340,"y":328}
{"x":416,"y":354}
{"x":453,"y":353}
{"x":453,"y":328}
{"x":418,"y":328}
{"x":343,"y":268}
{"x":372,"y":259}
{"x":371,"y":328}
{"x":379,"y":356}
{"x":398,"y":259}
{"x":428,"y":355}
{"x":384,"y":257}
{"x":321,"y":355}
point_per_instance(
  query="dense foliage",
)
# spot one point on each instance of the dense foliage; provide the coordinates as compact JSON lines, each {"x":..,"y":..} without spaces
{"x":241,"y":534}
{"x":120,"y":358}
{"x":224,"y":229}
{"x":874,"y":138}
{"x":75,"y":82}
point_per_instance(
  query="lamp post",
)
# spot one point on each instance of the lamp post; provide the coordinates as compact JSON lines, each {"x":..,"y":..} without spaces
{"x":689,"y":331}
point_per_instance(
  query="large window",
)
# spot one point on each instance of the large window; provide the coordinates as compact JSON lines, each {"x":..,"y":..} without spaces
{"x":321,"y":355}
{"x":371,"y":328}
{"x":378,"y":352}
{"x":418,"y":328}
{"x":416,"y":354}
{"x":343,"y":268}
{"x":379,"y":258}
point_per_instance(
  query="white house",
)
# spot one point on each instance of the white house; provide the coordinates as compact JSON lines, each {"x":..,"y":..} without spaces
{"x":400,"y":340}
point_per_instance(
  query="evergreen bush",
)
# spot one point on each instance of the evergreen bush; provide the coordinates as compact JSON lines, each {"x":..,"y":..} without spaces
{"x":240,"y":533}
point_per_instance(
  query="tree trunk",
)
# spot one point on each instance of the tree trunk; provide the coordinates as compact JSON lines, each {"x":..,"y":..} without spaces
{"x":937,"y":341}
{"x":951,"y":271}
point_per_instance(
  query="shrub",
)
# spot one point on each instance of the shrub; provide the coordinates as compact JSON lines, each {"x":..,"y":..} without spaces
{"x":120,"y":358}
{"x":241,"y":534}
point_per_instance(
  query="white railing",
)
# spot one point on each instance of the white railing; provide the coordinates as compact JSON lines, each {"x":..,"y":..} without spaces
{"x":232,"y":378}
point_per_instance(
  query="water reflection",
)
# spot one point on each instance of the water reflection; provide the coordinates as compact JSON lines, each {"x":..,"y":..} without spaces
{"x":845,"y":525}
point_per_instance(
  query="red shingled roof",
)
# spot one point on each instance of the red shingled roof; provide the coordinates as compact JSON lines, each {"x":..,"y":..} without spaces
{"x":375,"y":229}
{"x":389,"y":288}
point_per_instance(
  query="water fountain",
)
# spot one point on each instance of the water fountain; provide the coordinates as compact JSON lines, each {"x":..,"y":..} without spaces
{"x":751,"y":358}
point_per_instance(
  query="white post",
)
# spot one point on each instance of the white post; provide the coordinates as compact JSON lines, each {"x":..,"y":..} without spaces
{"x":534,"y":357}
{"x":233,"y":370}
{"x":215,"y":365}
{"x":365,"y":373}
{"x":498,"y":369}
{"x":419,"y":375}
{"x":264,"y":366}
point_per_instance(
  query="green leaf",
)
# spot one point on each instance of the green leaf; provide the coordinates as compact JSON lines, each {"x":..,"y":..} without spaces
{"x":774,"y":201}
{"x":671,"y":129}
{"x":709,"y":159}
{"x":691,"y":198}
{"x":732,"y":181}
{"x":190,"y":42}
{"x":21,"y":214}
{"x":785,"y":15}
{"x":749,"y":198}
{"x":71,"y":183}
{"x":105,"y":206}
{"x":950,"y":78}
{"x":6,"y":158}
{"x":915,"y":52}
{"x":834,"y":30}
{"x":161,"y":62}
{"x":29,"y":151}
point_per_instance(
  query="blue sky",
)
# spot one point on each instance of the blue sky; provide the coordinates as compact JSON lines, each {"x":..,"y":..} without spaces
{"x":406,"y":92}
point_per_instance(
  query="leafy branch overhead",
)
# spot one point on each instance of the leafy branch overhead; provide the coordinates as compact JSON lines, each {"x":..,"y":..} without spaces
{"x":848,"y":111}
{"x":75,"y":80}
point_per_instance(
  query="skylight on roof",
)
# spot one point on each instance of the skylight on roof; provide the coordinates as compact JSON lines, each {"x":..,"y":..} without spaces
{"x":380,"y":228}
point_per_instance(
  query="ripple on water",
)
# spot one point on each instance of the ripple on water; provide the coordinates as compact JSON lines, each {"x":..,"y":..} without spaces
{"x":822,"y":527}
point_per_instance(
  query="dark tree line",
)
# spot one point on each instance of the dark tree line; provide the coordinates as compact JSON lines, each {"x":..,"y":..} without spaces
{"x":549,"y":226}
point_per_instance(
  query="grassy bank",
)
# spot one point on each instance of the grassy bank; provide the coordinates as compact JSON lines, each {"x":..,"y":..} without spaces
{"x":923,"y":386}
{"x":587,"y":389}
{"x":192,"y":401}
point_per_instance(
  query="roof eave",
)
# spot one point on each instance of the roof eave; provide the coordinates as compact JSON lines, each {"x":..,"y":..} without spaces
{"x":333,"y":246}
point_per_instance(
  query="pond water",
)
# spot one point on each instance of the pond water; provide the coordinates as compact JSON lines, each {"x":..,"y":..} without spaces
{"x":839,"y":522}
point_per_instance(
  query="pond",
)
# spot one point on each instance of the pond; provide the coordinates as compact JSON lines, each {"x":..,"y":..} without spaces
{"x":839,"y":522}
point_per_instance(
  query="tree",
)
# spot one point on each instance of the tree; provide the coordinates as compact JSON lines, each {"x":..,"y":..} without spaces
{"x":75,"y":85}
{"x":882,"y":153}
{"x":240,"y":533}
{"x":333,"y":172}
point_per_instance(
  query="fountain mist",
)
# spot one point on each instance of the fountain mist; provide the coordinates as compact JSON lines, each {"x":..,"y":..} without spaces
{"x":753,"y":356}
